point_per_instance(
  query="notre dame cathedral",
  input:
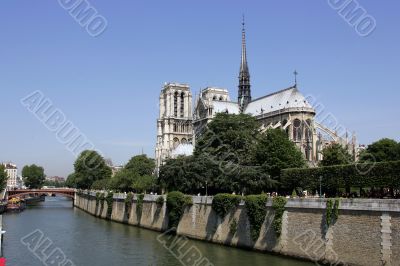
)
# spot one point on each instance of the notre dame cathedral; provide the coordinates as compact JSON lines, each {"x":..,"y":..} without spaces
{"x":179,"y":124}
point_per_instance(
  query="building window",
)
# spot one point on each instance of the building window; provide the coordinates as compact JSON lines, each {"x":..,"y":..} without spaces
{"x":176,"y":104}
{"x":176,"y":142}
{"x":297,"y":130}
{"x":182,"y":104}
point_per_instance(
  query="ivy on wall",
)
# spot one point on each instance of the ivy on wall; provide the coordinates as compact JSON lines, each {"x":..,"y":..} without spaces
{"x":139,"y":207}
{"x":128,"y":203}
{"x":176,"y":204}
{"x":160,"y":201}
{"x":97,"y":198}
{"x":109,"y":200}
{"x":256,"y":211}
{"x":278,"y":204}
{"x":102,"y":198}
{"x":233,"y":227}
{"x":222,"y":204}
{"x":332,"y":211}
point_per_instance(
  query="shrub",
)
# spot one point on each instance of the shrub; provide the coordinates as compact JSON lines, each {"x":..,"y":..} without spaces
{"x":383,"y":174}
{"x":256,"y":211}
{"x":160,"y":201}
{"x":222,"y":204}
{"x":176,"y":204}
{"x":278,"y":204}
{"x":188,"y":200}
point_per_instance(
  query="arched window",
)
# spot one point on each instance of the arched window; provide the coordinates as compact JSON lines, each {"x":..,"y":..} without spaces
{"x":176,"y":142}
{"x":176,"y":104}
{"x":182,"y":104}
{"x":183,"y":141}
{"x":221,"y":98}
{"x":214,"y":98}
{"x":308,"y":150}
{"x":297,"y":130}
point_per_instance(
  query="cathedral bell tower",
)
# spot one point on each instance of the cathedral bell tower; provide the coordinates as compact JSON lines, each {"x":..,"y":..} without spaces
{"x":174,"y":125}
{"x":244,"y":92}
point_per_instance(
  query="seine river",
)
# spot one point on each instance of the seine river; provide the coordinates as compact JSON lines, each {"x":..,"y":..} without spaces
{"x":87,"y":240}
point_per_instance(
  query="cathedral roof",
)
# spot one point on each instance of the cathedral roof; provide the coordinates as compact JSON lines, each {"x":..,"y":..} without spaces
{"x":222,"y":106}
{"x":284,"y":99}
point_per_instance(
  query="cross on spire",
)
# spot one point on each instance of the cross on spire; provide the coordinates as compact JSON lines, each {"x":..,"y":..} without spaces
{"x":295,"y":73}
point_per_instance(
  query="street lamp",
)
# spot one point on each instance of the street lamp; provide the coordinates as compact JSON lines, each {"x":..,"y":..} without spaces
{"x":320,"y":186}
{"x":206,"y":188}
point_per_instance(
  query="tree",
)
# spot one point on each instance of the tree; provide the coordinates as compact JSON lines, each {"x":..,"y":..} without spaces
{"x":229,"y":138}
{"x":224,"y":159}
{"x":174,"y":175}
{"x":90,"y":167}
{"x":3,"y":177}
{"x":143,"y":183}
{"x":123,"y":180}
{"x":101,"y":184}
{"x":33,"y":175}
{"x":383,"y":150}
{"x":141,"y":164}
{"x":335,"y":154}
{"x":71,"y":181}
{"x":274,"y":152}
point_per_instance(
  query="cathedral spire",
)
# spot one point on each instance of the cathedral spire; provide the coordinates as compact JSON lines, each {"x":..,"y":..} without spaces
{"x":244,"y":92}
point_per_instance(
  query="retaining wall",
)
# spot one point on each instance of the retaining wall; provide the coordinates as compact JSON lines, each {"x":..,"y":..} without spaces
{"x":367,"y":232}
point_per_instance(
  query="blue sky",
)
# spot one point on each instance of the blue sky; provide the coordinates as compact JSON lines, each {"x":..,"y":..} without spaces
{"x":108,"y":86}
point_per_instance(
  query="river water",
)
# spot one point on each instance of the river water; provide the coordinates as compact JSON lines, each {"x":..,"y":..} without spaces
{"x":87,"y":240}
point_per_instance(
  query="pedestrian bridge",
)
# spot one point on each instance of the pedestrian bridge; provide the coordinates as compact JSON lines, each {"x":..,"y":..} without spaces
{"x":65,"y":192}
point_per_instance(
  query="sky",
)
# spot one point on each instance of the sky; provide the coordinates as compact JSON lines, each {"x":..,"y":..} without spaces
{"x":108,"y":85}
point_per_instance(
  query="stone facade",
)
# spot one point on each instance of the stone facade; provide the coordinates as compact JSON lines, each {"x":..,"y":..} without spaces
{"x":174,"y":125}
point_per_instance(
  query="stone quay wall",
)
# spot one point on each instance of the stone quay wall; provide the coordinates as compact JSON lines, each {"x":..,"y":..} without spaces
{"x":367,"y":231}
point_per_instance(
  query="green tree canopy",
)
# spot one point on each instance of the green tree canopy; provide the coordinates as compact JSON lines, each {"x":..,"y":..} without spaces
{"x":71,"y":181}
{"x":142,"y":184}
{"x":383,"y":150}
{"x":122,"y":181}
{"x":90,"y":167}
{"x":335,"y":154}
{"x":33,"y":175}
{"x":3,"y":177}
{"x":229,"y":138}
{"x":274,"y":152}
{"x":141,"y":164}
{"x":231,"y":155}
{"x":137,"y":175}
